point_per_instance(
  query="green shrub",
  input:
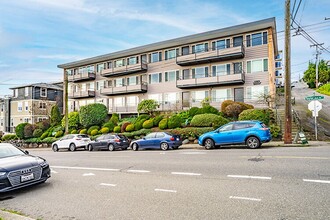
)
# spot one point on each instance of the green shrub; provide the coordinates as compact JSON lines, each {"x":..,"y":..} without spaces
{"x":116,"y":129}
{"x":130,"y":128}
{"x":138,"y":124}
{"x":37,"y":133}
{"x":92,"y":114}
{"x":325,"y":89}
{"x":194,"y":111}
{"x":74,"y":131}
{"x":19,"y":130}
{"x":147,"y":106}
{"x":32,"y":140}
{"x":94,"y":132}
{"x":245,"y":105}
{"x":264,"y":115}
{"x":233,"y":110}
{"x":137,"y":134}
{"x":73,"y":120}
{"x":148,"y":124}
{"x":190,"y":131}
{"x":105,"y":130}
{"x":55,"y":115}
{"x":95,"y":127}
{"x":44,"y":135}
{"x":174,"y":122}
{"x":275,"y":130}
{"x":49,"y":140}
{"x":124,"y":125}
{"x":43,"y":125}
{"x":8,"y":137}
{"x":58,"y":128}
{"x":208,"y":120}
{"x":28,"y":130}
{"x":209,"y":109}
{"x":114,"y":119}
{"x":157,"y":119}
{"x":59,"y":134}
{"x":110,"y":125}
{"x":225,"y":103}
{"x":83,"y":131}
{"x":143,"y":117}
{"x":163,"y":124}
{"x":94,"y":137}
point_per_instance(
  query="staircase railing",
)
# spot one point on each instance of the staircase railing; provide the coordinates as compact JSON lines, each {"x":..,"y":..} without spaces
{"x":296,"y":119}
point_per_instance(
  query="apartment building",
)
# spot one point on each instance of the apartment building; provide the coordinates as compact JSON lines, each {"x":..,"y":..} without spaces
{"x":4,"y":114}
{"x":236,"y":63}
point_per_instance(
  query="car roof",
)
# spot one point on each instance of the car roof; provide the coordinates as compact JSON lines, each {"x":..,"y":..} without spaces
{"x":247,"y":121}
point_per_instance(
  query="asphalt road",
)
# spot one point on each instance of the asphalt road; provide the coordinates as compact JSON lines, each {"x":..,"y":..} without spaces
{"x":232,"y":183}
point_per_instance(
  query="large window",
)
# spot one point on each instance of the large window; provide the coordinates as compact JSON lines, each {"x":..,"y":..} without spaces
{"x":219,"y":95}
{"x":200,"y":72}
{"x":256,"y":92}
{"x":221,"y":70}
{"x":171,"y":76}
{"x":43,"y":92}
{"x":171,"y":97}
{"x":221,"y":44}
{"x":132,"y":101}
{"x":99,"y":67}
{"x":256,"y":39}
{"x":132,"y":60}
{"x":133,"y":80}
{"x":198,"y":48}
{"x":119,"y":82}
{"x":119,"y":102}
{"x":19,"y":106}
{"x":157,"y":97}
{"x":155,"y":78}
{"x":237,"y":41}
{"x":155,"y":57}
{"x":42,"y":105}
{"x":170,"y":54}
{"x":119,"y":63}
{"x":260,"y":65}
{"x":26,"y":106}
{"x":198,"y":96}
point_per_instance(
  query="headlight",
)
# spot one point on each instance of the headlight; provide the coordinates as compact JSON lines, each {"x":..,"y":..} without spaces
{"x":2,"y":174}
{"x":42,"y":163}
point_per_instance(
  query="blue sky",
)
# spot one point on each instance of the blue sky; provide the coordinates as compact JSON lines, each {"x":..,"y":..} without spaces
{"x":37,"y":35}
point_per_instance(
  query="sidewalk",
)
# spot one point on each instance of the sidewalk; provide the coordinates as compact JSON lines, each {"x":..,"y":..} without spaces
{"x":5,"y":215}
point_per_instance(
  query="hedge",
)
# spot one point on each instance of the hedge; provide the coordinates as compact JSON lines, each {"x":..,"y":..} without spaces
{"x":157,"y":119}
{"x":130,"y":128}
{"x":174,"y":122}
{"x":225,"y":103}
{"x":124,"y":125}
{"x":137,"y":134}
{"x":8,"y":137}
{"x":264,"y":115}
{"x":44,"y":135}
{"x":116,"y":129}
{"x":19,"y":130}
{"x":148,"y":124}
{"x":73,"y":120}
{"x":95,"y":127}
{"x":163,"y":124}
{"x":114,"y":119}
{"x":190,"y":131}
{"x":92,"y":114}
{"x":83,"y":131}
{"x":59,"y":134}
{"x":49,"y":140}
{"x":208,"y":120}
{"x":74,"y":131}
{"x":37,"y":133}
{"x":105,"y":130}
{"x":139,"y":124}
{"x":94,"y":132}
{"x":110,"y":125}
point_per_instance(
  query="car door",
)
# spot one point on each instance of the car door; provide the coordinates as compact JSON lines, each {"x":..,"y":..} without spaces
{"x":224,"y":134}
{"x":239,"y":132}
{"x":159,"y":137}
{"x":98,"y":142}
{"x":148,"y":140}
{"x":61,"y":141}
{"x":105,"y":141}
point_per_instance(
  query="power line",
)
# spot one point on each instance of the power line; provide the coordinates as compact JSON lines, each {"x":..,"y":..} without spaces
{"x":294,"y":17}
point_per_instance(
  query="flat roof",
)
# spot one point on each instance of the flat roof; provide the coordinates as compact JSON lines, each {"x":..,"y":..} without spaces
{"x":233,"y":30}
{"x":41,"y":85}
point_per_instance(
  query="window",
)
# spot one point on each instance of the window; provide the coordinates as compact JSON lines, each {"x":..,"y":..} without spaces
{"x":160,"y":135}
{"x":227,"y":127}
{"x":26,"y":120}
{"x":256,"y":39}
{"x":42,"y":105}
{"x":198,"y":48}
{"x":90,"y":69}
{"x":83,"y":87}
{"x":219,"y":95}
{"x":26,"y":104}
{"x":198,"y":96}
{"x":171,"y":97}
{"x":132,"y":100}
{"x":155,"y":78}
{"x":133,"y":80}
{"x":132,"y":60}
{"x":1,"y":123}
{"x":42,"y":119}
{"x":157,"y":97}
{"x":255,"y":92}
{"x":43,"y":92}
{"x":2,"y":107}
{"x":119,"y":82}
{"x":237,"y":41}
{"x":26,"y":93}
{"x":170,"y":54}
{"x":185,"y":50}
{"x":260,"y":65}
{"x":200,"y":72}
{"x":171,"y":76}
{"x":221,"y":70}
{"x":221,"y":44}
{"x":238,"y":67}
{"x":119,"y":102}
{"x":186,"y":74}
{"x":155,"y":57}
{"x":99,"y":67}
{"x":15,"y":92}
{"x":119,"y":63}
{"x":99,"y":85}
{"x":19,"y":106}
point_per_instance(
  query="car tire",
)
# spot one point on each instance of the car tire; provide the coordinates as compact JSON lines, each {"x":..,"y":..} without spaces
{"x":164,"y":146}
{"x":111,"y":147}
{"x":90,"y":147}
{"x":55,"y":148}
{"x":72,"y":147}
{"x":209,"y":144}
{"x":252,"y":142}
{"x":124,"y":148}
{"x":175,"y":148}
{"x":135,"y":146}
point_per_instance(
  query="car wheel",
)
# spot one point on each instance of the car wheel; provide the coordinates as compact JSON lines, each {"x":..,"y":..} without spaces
{"x":90,"y":147}
{"x":72,"y":147}
{"x":124,"y":148}
{"x":174,"y":148}
{"x":135,"y":146}
{"x":209,"y":144}
{"x":253,"y":142}
{"x":111,"y":147}
{"x":164,"y":146}
{"x":55,"y":148}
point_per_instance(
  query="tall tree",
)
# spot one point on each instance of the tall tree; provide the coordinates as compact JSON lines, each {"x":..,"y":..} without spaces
{"x":310,"y":74}
{"x":55,"y":116}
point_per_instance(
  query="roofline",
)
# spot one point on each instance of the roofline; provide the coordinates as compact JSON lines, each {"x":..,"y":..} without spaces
{"x":37,"y":85}
{"x":233,"y":30}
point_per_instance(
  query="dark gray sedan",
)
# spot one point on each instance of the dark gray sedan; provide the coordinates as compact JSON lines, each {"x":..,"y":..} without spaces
{"x":109,"y":142}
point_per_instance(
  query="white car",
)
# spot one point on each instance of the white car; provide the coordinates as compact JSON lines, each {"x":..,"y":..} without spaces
{"x":71,"y":142}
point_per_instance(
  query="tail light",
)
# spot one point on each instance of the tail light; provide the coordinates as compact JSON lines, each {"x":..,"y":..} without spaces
{"x":172,"y":138}
{"x":116,"y":140}
{"x":78,"y":139}
{"x":264,"y":129}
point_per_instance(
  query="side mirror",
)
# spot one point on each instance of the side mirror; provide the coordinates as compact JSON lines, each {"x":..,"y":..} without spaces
{"x":27,"y":152}
{"x":144,"y":138}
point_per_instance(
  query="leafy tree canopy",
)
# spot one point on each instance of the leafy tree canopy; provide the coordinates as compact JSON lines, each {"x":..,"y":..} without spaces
{"x":310,"y":74}
{"x":147,"y":106}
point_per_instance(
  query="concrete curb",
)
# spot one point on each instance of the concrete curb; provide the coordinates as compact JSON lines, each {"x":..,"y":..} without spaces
{"x":11,"y":216}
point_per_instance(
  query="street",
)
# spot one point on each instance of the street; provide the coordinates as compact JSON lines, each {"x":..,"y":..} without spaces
{"x":229,"y":183}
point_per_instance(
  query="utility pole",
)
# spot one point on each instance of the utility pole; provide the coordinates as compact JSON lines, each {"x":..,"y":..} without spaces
{"x":65,"y":98}
{"x":287,"y":86}
{"x":317,"y":64}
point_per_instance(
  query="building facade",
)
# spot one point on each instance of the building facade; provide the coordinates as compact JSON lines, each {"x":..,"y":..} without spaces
{"x":236,"y":63}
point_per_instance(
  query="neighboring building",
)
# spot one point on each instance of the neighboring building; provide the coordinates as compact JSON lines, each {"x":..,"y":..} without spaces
{"x":235,"y":63}
{"x":4,"y":114}
{"x":32,"y":103}
{"x":279,"y":82}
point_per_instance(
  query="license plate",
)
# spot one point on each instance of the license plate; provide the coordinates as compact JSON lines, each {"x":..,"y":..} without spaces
{"x":178,"y":139}
{"x":27,"y":177}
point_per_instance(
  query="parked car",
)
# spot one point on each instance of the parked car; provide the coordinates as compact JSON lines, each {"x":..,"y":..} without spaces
{"x":110,"y":142}
{"x":19,"y":169}
{"x":162,"y":140}
{"x":250,"y":133}
{"x":71,"y":142}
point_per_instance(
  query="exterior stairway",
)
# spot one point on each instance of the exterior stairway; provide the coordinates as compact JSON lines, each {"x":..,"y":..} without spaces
{"x":281,"y":119}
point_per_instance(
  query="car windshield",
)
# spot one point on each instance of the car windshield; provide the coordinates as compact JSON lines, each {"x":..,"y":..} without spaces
{"x":82,"y":136}
{"x":8,"y":150}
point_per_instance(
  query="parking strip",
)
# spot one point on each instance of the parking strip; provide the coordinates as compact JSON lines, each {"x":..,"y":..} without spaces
{"x":250,"y":177}
{"x":316,"y":181}
{"x":244,"y":198}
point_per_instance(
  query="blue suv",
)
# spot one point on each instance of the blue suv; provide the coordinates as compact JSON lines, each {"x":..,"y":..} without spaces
{"x":250,"y":133}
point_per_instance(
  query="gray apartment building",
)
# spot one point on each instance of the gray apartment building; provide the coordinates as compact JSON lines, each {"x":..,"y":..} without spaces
{"x":236,"y":63}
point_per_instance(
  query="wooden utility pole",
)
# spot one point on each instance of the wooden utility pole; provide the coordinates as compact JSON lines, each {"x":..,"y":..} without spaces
{"x":287,"y":86}
{"x":65,"y":98}
{"x":317,"y":64}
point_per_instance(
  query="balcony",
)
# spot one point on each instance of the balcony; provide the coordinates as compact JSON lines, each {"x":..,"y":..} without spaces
{"x":211,"y":56}
{"x":140,"y":88}
{"x":82,"y":77}
{"x":125,"y":70}
{"x":82,"y":94}
{"x":123,"y":109}
{"x":231,"y":79}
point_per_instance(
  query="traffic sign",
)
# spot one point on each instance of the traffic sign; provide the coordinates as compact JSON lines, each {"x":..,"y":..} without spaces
{"x":315,"y":97}
{"x":315,"y":106}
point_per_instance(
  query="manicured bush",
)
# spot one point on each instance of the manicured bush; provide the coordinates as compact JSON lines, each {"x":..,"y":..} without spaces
{"x":139,"y":124}
{"x":275,"y":130}
{"x":94,"y":132}
{"x":117,"y":129}
{"x":55,"y":115}
{"x":92,"y":114}
{"x":208,"y":120}
{"x":264,"y":115}
{"x":105,"y":130}
{"x":194,"y":111}
{"x":157,"y":119}
{"x":58,"y":128}
{"x":245,"y":105}
{"x":130,"y":128}
{"x":147,"y":106}
{"x":74,"y":131}
{"x":8,"y":137}
{"x":73,"y":120}
{"x":124,"y":125}
{"x":190,"y":131}
{"x":209,"y":109}
{"x":49,"y":140}
{"x":83,"y":131}
{"x":110,"y":125}
{"x":143,"y":117}
{"x":225,"y":103}
{"x":95,"y":127}
{"x":219,"y":121}
{"x":37,"y":133}
{"x":44,"y":135}
{"x":59,"y":134}
{"x":233,"y":110}
{"x":174,"y":122}
{"x":114,"y":119}
{"x":137,"y":134}
{"x":19,"y":130}
{"x":43,"y":125}
{"x":32,"y":140}
{"x":163,"y":124}
{"x":148,"y":124}
{"x":28,"y":130}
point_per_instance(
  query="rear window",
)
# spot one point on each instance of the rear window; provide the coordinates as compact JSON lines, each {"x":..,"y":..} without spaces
{"x":263,"y":125}
{"x":82,"y":136}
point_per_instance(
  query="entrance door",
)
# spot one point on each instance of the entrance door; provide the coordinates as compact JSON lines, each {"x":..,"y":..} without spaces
{"x":239,"y":94}
{"x":185,"y":99}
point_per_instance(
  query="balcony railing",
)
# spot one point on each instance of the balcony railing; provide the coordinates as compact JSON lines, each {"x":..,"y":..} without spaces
{"x":82,"y":77}
{"x":81,"y":94}
{"x":231,"y":79}
{"x":123,"y":109}
{"x":140,"y":88}
{"x":211,"y":55}
{"x":124,"y":70}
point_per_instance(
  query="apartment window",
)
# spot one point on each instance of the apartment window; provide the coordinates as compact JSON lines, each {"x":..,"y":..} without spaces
{"x":109,"y":65}
{"x":42,"y":105}
{"x":132,"y":101}
{"x":15,"y":92}
{"x":132,"y":60}
{"x":170,"y":54}
{"x":260,"y":65}
{"x":237,"y":41}
{"x":83,"y":87}
{"x":99,"y":85}
{"x":119,"y":102}
{"x":198,"y":96}
{"x":2,"y":107}
{"x":219,"y":95}
{"x":186,"y":74}
{"x":255,"y":92}
{"x":171,"y":97}
{"x":155,"y":57}
{"x":238,"y":67}
{"x":90,"y":69}
{"x":119,"y":63}
{"x":221,"y":70}
{"x":26,"y":91}
{"x":11,"y":122}
{"x":171,"y":76}
{"x":19,"y":106}
{"x":198,"y":48}
{"x":26,"y":104}
{"x":155,"y":78}
{"x":26,"y":120}
{"x":119,"y":82}
{"x":91,"y":86}
{"x":1,"y":123}
{"x":256,"y":39}
{"x":43,"y":92}
{"x":200,"y":72}
{"x":133,"y":80}
{"x":42,"y":119}
{"x":99,"y":67}
{"x":221,"y":44}
{"x":157,"y":97}
{"x":185,"y":50}
{"x":278,"y":64}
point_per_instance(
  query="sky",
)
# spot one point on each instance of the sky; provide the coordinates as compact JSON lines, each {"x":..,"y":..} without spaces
{"x":38,"y":35}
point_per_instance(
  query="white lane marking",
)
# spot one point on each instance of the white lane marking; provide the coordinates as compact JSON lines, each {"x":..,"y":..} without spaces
{"x":291,"y":157}
{"x":317,"y":181}
{"x":193,"y":153}
{"x":162,"y":153}
{"x":138,"y":171}
{"x":53,"y":171}
{"x":108,"y":184}
{"x":244,"y":198}
{"x":188,"y":174}
{"x":165,"y":190}
{"x":88,"y":174}
{"x":84,"y":168}
{"x":250,"y":177}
